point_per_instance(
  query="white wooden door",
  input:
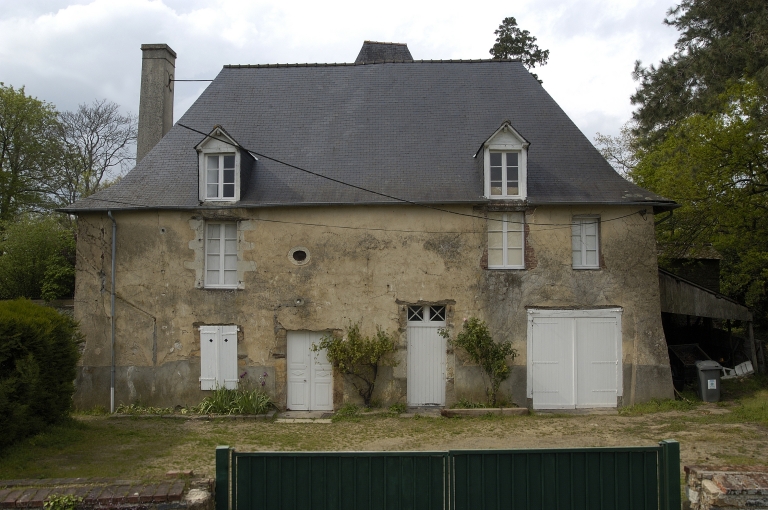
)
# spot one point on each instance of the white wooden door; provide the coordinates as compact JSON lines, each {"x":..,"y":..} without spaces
{"x":310,"y":375}
{"x":426,"y":356}
{"x":574,"y":358}
{"x":551,"y":370}
{"x":597,"y":362}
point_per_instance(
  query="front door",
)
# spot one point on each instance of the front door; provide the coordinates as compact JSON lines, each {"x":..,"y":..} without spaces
{"x":310,"y":375}
{"x":426,"y":356}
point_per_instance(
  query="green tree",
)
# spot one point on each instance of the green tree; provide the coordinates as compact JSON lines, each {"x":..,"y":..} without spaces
{"x":716,"y":166}
{"x":29,"y":153}
{"x":700,"y":134}
{"x":512,"y":42}
{"x":359,"y":357}
{"x":719,"y":43}
{"x":476,"y":340}
{"x":37,"y":259}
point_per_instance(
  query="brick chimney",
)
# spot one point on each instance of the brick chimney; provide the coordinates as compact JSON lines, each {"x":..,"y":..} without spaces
{"x":158,"y":64}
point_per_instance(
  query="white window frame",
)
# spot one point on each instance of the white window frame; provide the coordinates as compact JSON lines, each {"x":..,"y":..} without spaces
{"x":581,"y":222}
{"x":508,"y":219}
{"x":506,"y":140}
{"x":222,"y":254}
{"x":504,"y":173}
{"x":218,"y":143}
{"x":220,"y":176}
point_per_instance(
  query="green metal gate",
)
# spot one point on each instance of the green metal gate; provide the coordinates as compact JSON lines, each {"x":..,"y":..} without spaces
{"x":633,"y":478}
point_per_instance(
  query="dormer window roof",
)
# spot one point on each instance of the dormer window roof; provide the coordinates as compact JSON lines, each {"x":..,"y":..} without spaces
{"x":220,"y":161}
{"x":505,"y":156}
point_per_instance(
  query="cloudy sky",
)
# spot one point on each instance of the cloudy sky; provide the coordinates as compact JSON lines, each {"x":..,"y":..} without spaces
{"x":72,"y":52}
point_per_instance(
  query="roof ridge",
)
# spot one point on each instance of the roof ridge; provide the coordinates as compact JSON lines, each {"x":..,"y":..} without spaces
{"x":342,"y":64}
{"x":381,"y":42}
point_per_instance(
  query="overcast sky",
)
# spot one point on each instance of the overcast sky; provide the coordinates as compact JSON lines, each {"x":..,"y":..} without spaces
{"x":72,"y":52}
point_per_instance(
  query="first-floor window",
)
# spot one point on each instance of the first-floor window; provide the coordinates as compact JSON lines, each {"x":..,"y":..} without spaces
{"x":218,"y":357}
{"x":506,"y":240}
{"x":221,"y":255}
{"x":585,"y":242}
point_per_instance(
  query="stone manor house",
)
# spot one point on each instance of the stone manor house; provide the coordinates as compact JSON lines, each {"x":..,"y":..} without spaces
{"x":292,"y":200}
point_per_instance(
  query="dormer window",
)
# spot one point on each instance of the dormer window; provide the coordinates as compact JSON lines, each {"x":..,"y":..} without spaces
{"x":222,"y":164}
{"x":505,"y":156}
{"x":220,"y":176}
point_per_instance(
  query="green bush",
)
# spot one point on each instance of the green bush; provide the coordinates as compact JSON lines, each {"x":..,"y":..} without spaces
{"x":492,"y":356}
{"x":38,"y":356}
{"x":359,"y":357}
{"x":37,"y":259}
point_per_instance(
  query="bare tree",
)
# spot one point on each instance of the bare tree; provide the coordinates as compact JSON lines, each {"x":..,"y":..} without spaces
{"x":620,"y":151}
{"x":99,"y":143}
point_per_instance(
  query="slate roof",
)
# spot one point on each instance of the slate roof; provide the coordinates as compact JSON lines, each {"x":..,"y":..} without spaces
{"x":405,"y":129}
{"x":373,"y":51}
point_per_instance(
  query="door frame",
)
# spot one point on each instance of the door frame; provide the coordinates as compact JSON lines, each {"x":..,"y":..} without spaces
{"x":612,"y":312}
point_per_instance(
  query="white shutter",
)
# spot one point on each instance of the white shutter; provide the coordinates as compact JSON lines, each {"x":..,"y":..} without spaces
{"x":209,"y":341}
{"x":227,"y":375}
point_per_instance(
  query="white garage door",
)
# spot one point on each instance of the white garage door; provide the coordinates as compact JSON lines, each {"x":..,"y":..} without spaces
{"x":574,"y":358}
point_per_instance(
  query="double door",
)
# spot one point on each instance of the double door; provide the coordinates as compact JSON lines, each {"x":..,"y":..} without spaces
{"x":310,"y":374}
{"x":574,"y":358}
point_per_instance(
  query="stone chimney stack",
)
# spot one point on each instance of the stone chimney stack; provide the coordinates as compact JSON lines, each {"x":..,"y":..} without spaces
{"x":158,"y":65}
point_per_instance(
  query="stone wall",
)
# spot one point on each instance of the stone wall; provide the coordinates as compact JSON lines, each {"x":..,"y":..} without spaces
{"x":391,"y":257}
{"x":726,"y":487}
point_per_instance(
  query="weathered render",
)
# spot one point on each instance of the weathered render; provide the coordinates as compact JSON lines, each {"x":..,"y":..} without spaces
{"x":408,"y":131}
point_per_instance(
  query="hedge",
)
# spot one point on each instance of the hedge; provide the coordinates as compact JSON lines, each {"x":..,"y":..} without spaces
{"x":38,"y":358}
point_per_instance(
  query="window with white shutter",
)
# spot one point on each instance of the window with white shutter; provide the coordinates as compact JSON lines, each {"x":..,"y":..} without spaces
{"x":218,"y":357}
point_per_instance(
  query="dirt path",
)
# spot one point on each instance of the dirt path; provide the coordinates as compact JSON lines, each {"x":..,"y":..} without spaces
{"x":702,"y":433}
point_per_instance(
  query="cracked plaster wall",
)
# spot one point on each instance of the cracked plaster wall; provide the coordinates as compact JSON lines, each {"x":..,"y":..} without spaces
{"x":353,"y":275}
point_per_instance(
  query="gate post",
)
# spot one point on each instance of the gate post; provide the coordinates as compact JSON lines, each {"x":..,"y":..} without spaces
{"x":221,"y":489}
{"x":669,"y":475}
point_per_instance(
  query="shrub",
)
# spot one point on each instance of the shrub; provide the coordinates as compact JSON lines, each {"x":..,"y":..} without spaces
{"x":492,"y":356}
{"x":38,"y":358}
{"x":359,"y":357}
{"x":239,"y":401}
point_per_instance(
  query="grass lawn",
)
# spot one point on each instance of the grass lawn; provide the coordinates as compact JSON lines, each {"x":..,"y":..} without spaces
{"x":734,"y":431}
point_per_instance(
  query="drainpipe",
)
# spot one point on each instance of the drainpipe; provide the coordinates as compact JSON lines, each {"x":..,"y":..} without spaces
{"x":112,"y":314}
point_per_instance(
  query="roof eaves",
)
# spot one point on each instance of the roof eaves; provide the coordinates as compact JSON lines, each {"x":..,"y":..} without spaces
{"x":263,"y":205}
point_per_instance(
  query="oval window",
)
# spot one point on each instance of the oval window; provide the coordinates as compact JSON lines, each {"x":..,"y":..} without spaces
{"x":299,"y":255}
